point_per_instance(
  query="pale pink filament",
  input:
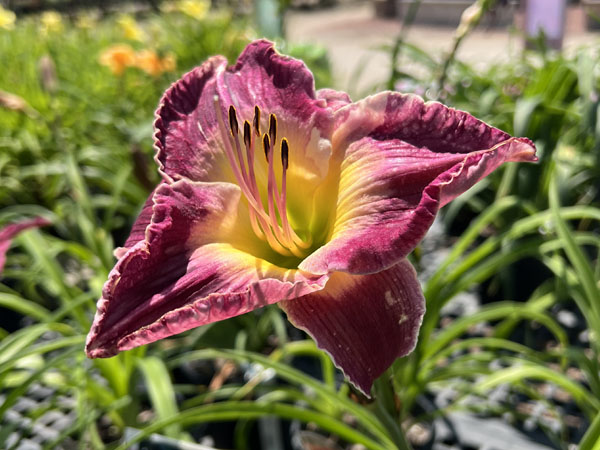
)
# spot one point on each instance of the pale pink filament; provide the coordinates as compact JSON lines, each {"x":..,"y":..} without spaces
{"x":254,"y":205}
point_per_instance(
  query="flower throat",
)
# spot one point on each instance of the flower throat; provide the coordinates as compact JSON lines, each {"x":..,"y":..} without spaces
{"x":272,"y":224}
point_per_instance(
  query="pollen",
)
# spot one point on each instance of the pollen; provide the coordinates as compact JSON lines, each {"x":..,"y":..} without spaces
{"x":269,"y":223}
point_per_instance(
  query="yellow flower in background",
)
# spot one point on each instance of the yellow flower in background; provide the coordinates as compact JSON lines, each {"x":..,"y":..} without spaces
{"x":148,"y":61}
{"x":194,"y":8}
{"x":7,"y":18}
{"x":86,"y":21}
{"x":51,"y":22}
{"x":131,"y":30}
{"x":117,"y":58}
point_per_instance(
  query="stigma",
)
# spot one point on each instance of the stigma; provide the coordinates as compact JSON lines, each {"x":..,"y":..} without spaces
{"x":270,"y":223}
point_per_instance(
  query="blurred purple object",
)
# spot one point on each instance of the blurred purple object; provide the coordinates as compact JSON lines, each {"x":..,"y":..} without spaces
{"x":547,"y":16}
{"x":10,"y":231}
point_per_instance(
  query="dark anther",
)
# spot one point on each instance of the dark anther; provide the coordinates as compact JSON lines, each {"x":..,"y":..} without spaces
{"x":266,"y":146}
{"x":273,"y":128}
{"x":284,"y":153}
{"x":257,"y":120}
{"x":247,"y":137}
{"x":233,"y":123}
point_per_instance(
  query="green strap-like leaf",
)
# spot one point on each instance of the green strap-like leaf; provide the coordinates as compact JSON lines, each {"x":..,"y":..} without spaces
{"x":161,"y":392}
{"x":233,"y":411}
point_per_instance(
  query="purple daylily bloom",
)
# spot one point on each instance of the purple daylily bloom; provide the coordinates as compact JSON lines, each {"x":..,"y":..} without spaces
{"x":273,"y":192}
{"x":8,"y":232}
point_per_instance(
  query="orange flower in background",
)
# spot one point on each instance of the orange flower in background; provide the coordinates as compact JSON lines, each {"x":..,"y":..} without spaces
{"x":169,"y":63}
{"x":148,"y":61}
{"x":121,"y":56}
{"x":117,"y":58}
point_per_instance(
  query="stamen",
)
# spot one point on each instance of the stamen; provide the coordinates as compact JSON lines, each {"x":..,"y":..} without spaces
{"x":284,"y":155}
{"x":247,"y":135}
{"x":252,"y":177}
{"x":233,"y":123}
{"x":234,"y":128}
{"x":273,"y":129}
{"x":273,"y":195}
{"x":266,"y":146}
{"x":256,"y":122}
{"x":281,"y":203}
{"x":289,"y":233}
{"x":227,"y":144}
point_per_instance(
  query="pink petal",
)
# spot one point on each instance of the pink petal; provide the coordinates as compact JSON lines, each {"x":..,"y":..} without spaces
{"x":188,"y":139}
{"x":10,"y":231}
{"x":184,"y":274}
{"x":364,"y":322}
{"x":276,"y":83}
{"x":401,"y":160}
{"x":334,"y":99}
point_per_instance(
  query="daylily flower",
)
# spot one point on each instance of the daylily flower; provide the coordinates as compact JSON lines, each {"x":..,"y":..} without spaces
{"x":8,"y":233}
{"x":273,"y":192}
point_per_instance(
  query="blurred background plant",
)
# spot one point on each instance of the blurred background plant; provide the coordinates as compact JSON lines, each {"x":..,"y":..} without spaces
{"x":513,"y":297}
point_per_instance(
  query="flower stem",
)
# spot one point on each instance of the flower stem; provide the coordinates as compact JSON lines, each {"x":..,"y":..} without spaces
{"x":386,"y":411}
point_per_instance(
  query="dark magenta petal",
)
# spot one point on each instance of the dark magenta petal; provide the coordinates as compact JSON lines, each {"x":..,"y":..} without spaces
{"x":186,"y":136}
{"x":399,"y":165}
{"x":277,"y":84}
{"x":391,"y":115}
{"x":10,"y":231}
{"x":364,"y":322}
{"x":138,"y":230}
{"x":183,"y":275}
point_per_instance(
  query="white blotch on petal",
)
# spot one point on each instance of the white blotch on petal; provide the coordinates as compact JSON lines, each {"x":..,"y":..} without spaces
{"x":389,"y":299}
